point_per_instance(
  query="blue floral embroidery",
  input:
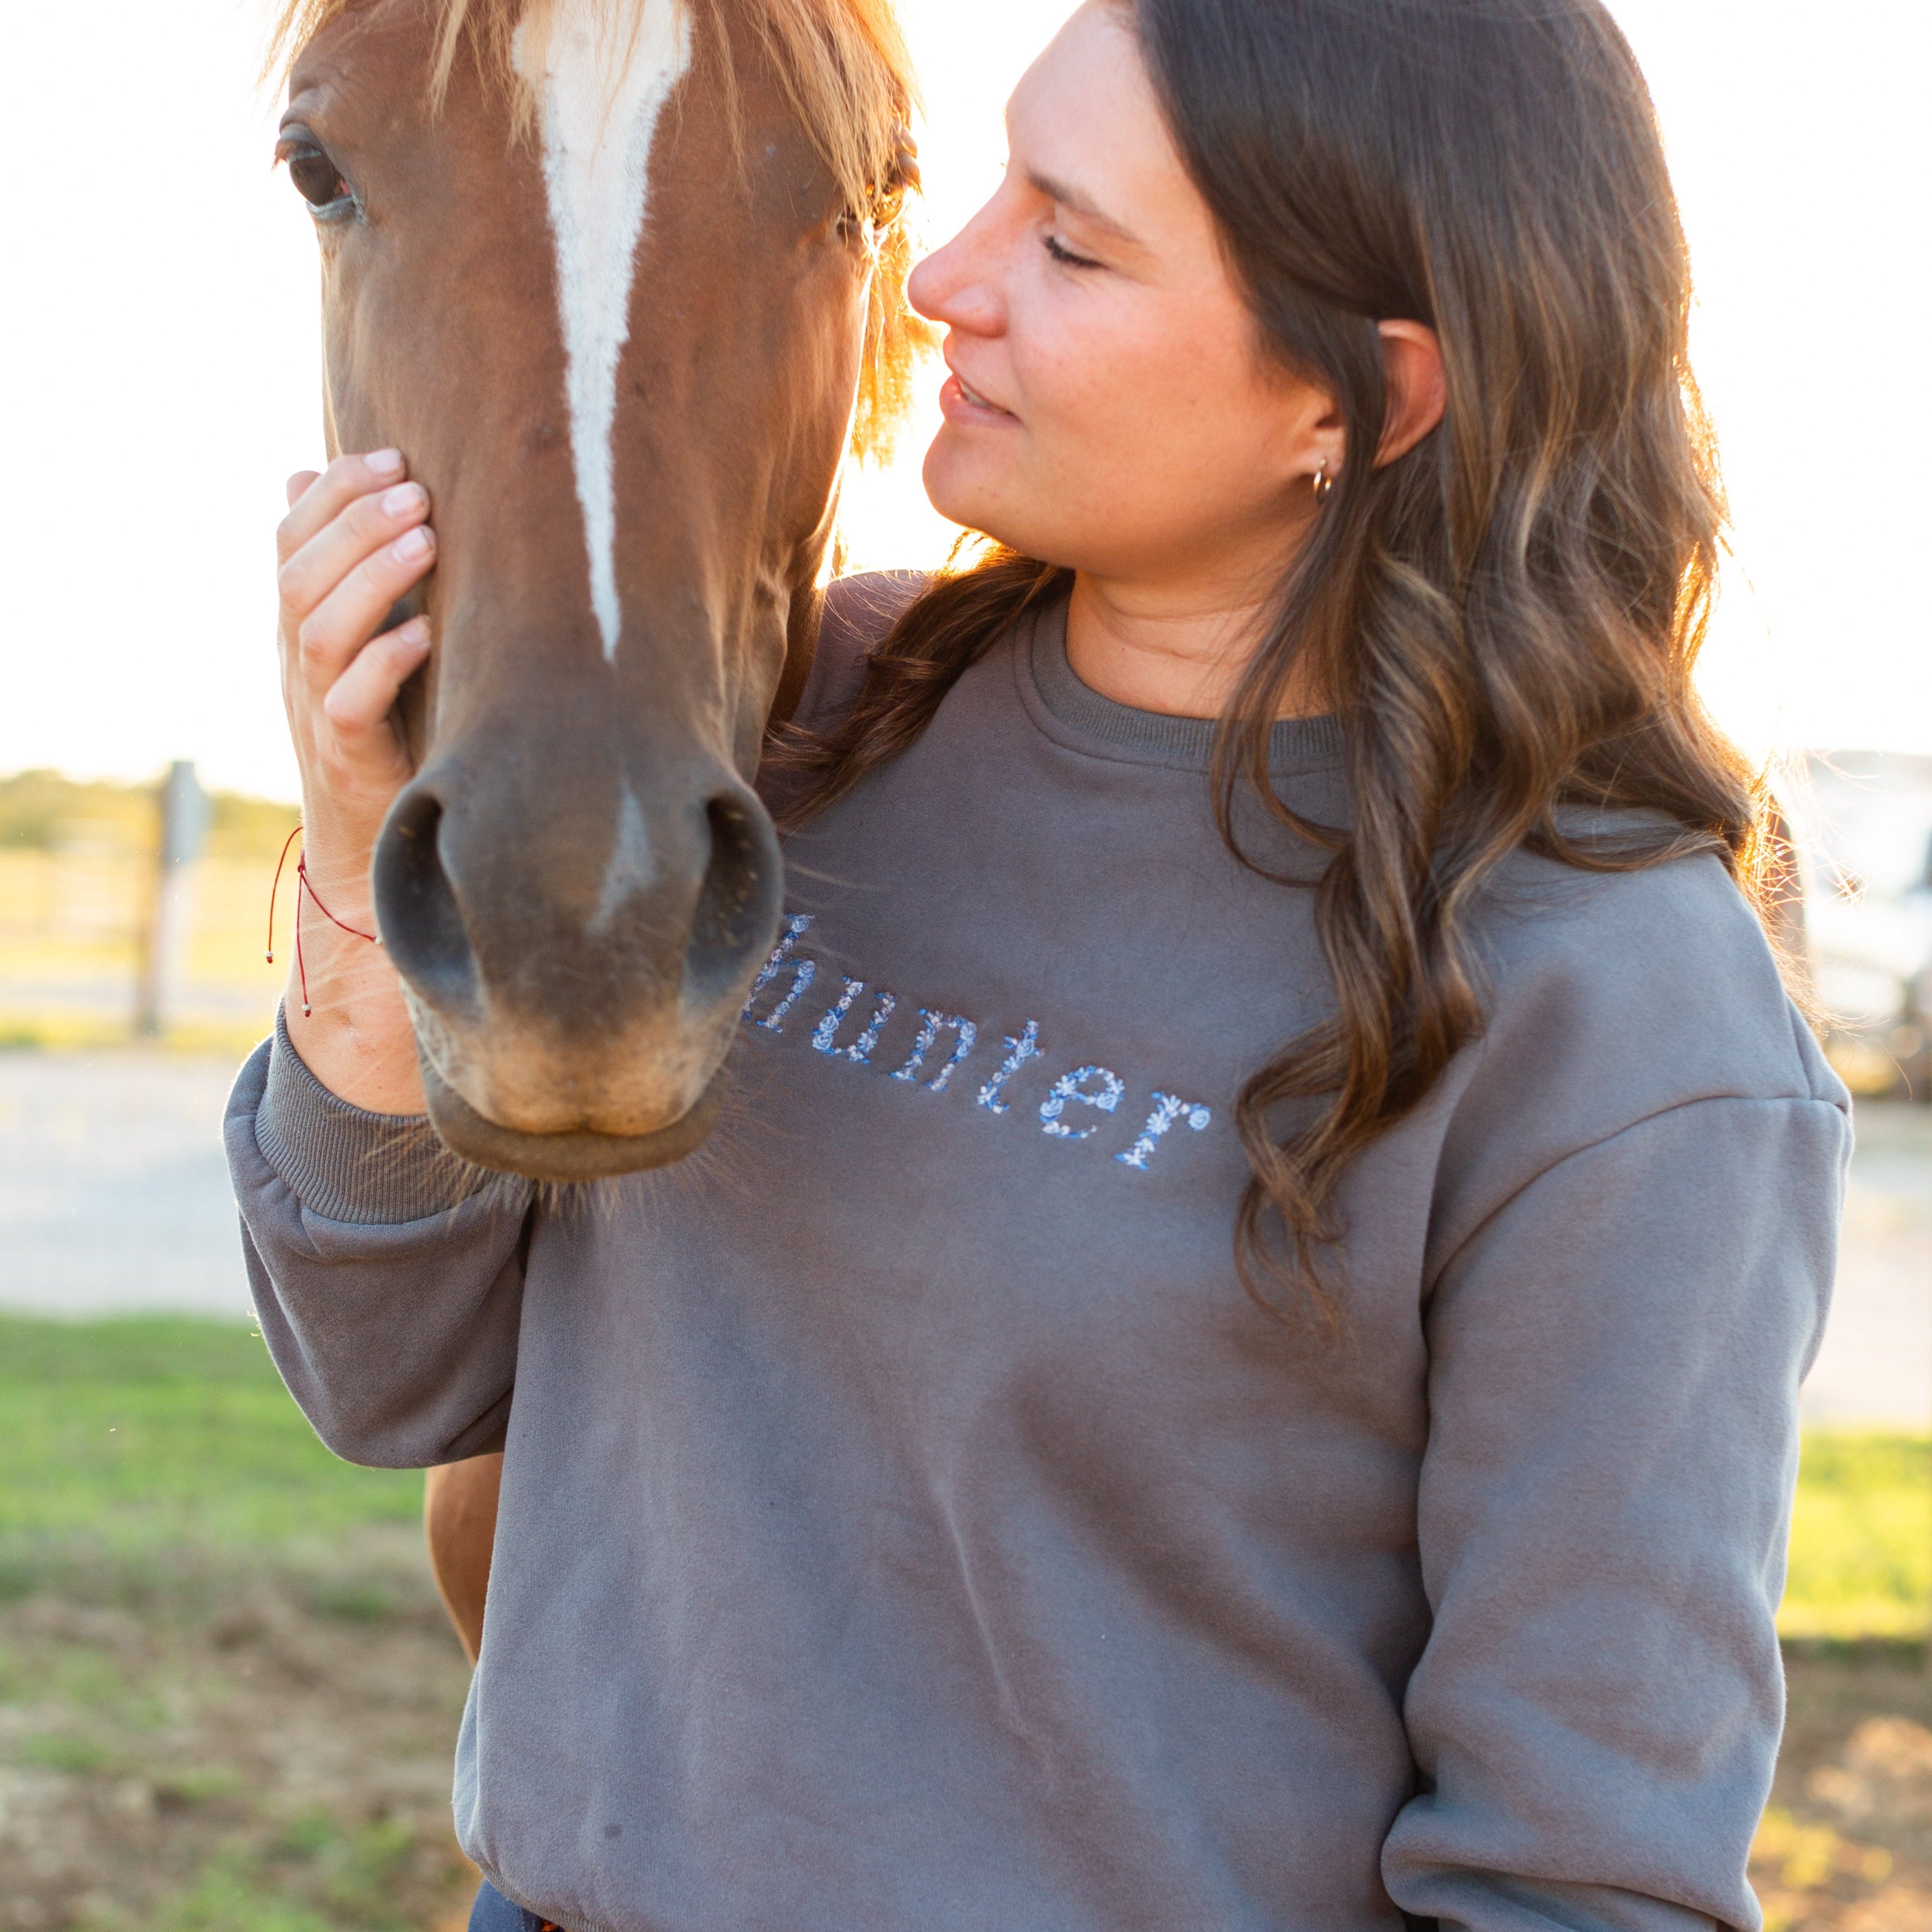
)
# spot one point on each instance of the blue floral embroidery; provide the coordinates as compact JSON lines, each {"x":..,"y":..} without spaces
{"x":1167,"y":1108}
{"x":860,"y":1051}
{"x":803,"y":972}
{"x":1018,"y":1052}
{"x":1068,"y":1088}
{"x":822,"y":1034}
{"x":965,"y":1033}
{"x":1096,"y":1087}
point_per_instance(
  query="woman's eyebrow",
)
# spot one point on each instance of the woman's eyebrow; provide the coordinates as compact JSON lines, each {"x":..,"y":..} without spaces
{"x":1087,"y":210}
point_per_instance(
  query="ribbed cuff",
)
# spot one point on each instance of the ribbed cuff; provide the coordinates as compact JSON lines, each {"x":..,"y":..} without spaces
{"x":347,"y":1164}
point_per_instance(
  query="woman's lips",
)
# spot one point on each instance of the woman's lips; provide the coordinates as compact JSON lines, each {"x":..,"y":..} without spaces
{"x":959,"y":404}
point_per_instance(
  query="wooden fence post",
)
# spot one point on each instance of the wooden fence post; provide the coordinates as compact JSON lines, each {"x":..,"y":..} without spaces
{"x":184,"y":815}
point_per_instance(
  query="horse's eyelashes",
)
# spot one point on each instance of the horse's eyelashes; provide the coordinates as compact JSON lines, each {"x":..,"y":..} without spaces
{"x":883,"y":206}
{"x":317,"y":179}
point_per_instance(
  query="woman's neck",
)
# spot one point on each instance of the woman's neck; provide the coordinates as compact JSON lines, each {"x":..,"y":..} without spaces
{"x":1179,"y":651}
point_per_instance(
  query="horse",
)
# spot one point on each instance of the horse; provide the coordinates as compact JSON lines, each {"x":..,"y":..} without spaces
{"x":624,"y":279}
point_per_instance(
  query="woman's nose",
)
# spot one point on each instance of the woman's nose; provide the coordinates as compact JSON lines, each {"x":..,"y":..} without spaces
{"x":955,"y":285}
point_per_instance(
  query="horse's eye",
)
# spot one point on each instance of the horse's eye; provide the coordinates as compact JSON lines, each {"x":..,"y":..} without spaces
{"x":885,"y":200}
{"x":315,"y":176}
{"x":881,"y":209}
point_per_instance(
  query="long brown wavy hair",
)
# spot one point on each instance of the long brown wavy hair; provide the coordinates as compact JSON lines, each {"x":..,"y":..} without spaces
{"x":1506,"y":618}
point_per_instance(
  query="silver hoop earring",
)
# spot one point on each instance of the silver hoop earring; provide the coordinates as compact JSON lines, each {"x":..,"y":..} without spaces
{"x":1323,"y":482}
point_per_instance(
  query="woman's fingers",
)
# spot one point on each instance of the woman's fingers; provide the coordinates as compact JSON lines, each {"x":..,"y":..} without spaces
{"x":356,"y":532}
{"x":360,"y":700}
{"x":327,"y":495}
{"x":356,"y":540}
{"x":339,"y":626}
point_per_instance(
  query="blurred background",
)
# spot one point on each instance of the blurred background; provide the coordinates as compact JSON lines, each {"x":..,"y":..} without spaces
{"x":227,"y":1698}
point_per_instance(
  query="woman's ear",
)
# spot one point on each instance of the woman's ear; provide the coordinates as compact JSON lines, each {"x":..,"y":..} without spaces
{"x":1418,"y":392}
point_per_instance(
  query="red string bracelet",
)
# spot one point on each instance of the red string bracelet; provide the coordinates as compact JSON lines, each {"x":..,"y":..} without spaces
{"x":303,"y":885}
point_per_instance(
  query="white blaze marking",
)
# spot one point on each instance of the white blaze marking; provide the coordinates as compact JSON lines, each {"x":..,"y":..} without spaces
{"x":601,"y":92}
{"x":629,"y":869}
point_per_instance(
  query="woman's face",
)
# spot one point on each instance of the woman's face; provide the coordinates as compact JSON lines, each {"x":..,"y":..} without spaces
{"x":1110,"y":408}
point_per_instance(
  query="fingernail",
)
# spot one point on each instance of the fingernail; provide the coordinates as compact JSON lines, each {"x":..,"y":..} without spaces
{"x":403,"y":497}
{"x":411,"y":546}
{"x":416,"y":631}
{"x":385,"y":462}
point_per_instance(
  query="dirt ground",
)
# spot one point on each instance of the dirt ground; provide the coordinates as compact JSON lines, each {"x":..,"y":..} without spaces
{"x":1847,"y":1843}
{"x":230,"y":1754}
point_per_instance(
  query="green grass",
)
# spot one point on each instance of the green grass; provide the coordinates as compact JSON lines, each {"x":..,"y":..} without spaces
{"x":133,"y":1440}
{"x":1861,"y":1538}
{"x":96,"y":1032}
{"x":156,"y":1463}
{"x":346,"y":1876}
{"x":185,"y":1537}
{"x":136,"y":1438}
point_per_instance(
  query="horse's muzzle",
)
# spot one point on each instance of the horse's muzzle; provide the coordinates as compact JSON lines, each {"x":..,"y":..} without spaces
{"x":575,"y":956}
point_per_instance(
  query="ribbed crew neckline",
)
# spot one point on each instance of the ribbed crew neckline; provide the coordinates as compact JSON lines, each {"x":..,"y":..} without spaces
{"x":1152,"y":737}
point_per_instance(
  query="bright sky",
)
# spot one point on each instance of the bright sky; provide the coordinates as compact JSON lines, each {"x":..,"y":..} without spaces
{"x":160,"y":348}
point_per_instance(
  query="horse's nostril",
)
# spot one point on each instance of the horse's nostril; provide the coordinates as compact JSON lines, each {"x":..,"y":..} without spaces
{"x":737,"y":902}
{"x":416,"y":904}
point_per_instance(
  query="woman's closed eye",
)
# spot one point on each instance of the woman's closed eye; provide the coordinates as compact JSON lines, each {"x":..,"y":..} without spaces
{"x":1065,"y":255}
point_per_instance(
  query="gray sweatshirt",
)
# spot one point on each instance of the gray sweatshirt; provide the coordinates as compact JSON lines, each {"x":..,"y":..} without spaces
{"x":909,"y":1524}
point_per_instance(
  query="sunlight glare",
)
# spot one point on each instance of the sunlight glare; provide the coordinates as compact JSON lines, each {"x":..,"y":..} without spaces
{"x":163,"y":352}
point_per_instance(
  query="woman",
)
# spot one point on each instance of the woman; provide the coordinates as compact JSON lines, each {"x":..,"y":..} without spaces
{"x":1236,"y":1362}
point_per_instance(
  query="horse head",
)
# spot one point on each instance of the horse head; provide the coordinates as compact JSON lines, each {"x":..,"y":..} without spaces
{"x":623,"y":278}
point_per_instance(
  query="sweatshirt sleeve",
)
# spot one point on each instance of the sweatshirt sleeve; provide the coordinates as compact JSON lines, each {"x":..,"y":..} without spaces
{"x":387,"y":1274}
{"x":1615,"y":1354}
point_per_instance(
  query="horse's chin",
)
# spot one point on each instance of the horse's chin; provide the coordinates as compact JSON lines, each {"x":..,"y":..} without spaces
{"x":563,"y":1157}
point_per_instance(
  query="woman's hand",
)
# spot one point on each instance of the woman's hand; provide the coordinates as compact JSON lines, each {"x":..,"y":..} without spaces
{"x":356,"y":538}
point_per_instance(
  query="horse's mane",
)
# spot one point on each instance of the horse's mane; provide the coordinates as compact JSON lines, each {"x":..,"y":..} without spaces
{"x":845,"y":64}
